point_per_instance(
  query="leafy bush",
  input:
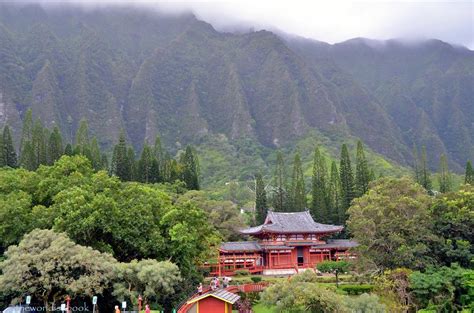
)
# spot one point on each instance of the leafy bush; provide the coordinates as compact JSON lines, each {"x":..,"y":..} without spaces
{"x":364,"y":303}
{"x":256,"y":279}
{"x":242,"y":272}
{"x":357,"y":289}
{"x":333,"y":267}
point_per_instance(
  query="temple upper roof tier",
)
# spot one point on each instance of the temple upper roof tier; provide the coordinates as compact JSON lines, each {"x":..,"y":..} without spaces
{"x":291,"y":223}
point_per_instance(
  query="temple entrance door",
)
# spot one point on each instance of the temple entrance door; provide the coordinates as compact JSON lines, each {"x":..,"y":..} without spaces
{"x":300,"y":256}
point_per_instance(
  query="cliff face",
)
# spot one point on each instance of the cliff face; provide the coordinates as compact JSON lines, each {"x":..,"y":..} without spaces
{"x":177,"y":76}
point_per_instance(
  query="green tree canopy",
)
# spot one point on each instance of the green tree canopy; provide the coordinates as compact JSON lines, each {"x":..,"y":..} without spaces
{"x":392,"y":224}
{"x":8,"y":149}
{"x":469,"y":175}
{"x":297,"y":192}
{"x":155,"y":281}
{"x":48,"y":266}
{"x":261,"y":206}
{"x":362,"y":176}
{"x":347,"y":179}
{"x":320,"y":189}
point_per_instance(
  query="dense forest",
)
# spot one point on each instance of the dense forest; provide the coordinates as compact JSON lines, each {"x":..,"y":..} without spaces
{"x":133,"y":143}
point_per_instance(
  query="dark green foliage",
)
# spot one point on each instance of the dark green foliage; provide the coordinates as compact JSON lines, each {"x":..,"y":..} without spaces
{"x":133,"y":164}
{"x":425,"y":175}
{"x":261,"y":207}
{"x":347,"y":179}
{"x":120,"y":163}
{"x":147,"y":166}
{"x":320,"y":189}
{"x":357,"y":289}
{"x":444,"y":178}
{"x":297,"y":197}
{"x":334,"y":267}
{"x":55,"y":146}
{"x":469,"y":175}
{"x":336,"y":213}
{"x":190,"y":168}
{"x":95,"y":156}
{"x":82,"y":138}
{"x":256,"y":279}
{"x":362,"y":176}
{"x":8,"y":149}
{"x":38,"y":145}
{"x":453,"y":222}
{"x":446,"y":289}
{"x":280,"y":189}
{"x":68,"y":150}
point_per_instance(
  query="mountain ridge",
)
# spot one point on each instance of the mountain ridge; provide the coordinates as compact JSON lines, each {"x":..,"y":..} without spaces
{"x":179,"y":77}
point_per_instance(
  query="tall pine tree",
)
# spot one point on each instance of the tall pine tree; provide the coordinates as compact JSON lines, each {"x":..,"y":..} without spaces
{"x":95,"y":155}
{"x":334,"y":192}
{"x":362,"y":177}
{"x":261,"y":207}
{"x":347,"y":180}
{"x":279,"y":183}
{"x":158,"y":160}
{"x":320,"y":198}
{"x":55,"y":146}
{"x":146,"y":172}
{"x":416,"y":165}
{"x":444,"y":178}
{"x":39,"y":145}
{"x":298,"y":192}
{"x":120,"y":163}
{"x":82,"y":138}
{"x":425,"y":176}
{"x":132,"y":163}
{"x":469,"y":176}
{"x":27,"y":158}
{"x":190,"y":169}
{"x":9,"y":153}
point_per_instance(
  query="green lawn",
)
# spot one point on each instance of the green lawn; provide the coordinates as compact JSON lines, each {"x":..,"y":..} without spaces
{"x":260,"y":308}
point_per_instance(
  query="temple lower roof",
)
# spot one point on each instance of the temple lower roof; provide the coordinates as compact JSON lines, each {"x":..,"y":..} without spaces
{"x":255,"y":246}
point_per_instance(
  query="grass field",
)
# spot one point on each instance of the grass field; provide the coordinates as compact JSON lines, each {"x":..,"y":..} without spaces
{"x":260,"y":308}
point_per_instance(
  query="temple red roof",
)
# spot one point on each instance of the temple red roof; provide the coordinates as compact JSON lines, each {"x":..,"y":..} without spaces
{"x":292,"y":222}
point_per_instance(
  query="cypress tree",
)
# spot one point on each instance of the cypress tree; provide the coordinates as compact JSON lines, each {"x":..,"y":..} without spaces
{"x":55,"y":146}
{"x":425,"y":176}
{"x":27,"y":130}
{"x":68,"y":150}
{"x":298,"y":193}
{"x":279,"y":182}
{"x":261,"y":207}
{"x":469,"y":176}
{"x":159,"y":156}
{"x":362,"y":177}
{"x":26,"y":151}
{"x":336,"y":216}
{"x":95,"y":157}
{"x":39,"y":145}
{"x":319,"y":191}
{"x":190,"y":169}
{"x":82,"y":138}
{"x":132,"y":163}
{"x":2,"y":153}
{"x":347,"y":180}
{"x":104,"y":162}
{"x":9,"y":153}
{"x":120,"y":164}
{"x":444,"y":178}
{"x":416,"y":165}
{"x":145,"y":165}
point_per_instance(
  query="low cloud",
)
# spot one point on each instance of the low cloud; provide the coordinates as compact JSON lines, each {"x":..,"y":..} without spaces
{"x":330,"y":21}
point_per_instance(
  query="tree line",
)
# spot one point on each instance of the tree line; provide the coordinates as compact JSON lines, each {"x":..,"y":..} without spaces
{"x":332,"y":190}
{"x":41,"y":146}
{"x":334,"y":187}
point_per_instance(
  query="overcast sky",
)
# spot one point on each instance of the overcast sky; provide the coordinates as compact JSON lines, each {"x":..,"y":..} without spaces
{"x":331,"y":20}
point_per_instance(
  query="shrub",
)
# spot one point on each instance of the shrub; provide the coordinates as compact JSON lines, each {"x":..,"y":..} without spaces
{"x":357,"y":289}
{"x":256,"y":279}
{"x":242,"y":272}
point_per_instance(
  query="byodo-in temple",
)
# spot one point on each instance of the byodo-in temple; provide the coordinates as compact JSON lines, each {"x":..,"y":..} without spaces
{"x":285,"y":243}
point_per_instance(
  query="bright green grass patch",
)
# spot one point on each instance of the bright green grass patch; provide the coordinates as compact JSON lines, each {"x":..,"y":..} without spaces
{"x":260,"y":308}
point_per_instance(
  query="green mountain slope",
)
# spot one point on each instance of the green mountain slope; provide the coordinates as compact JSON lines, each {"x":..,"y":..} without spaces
{"x":236,"y":96}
